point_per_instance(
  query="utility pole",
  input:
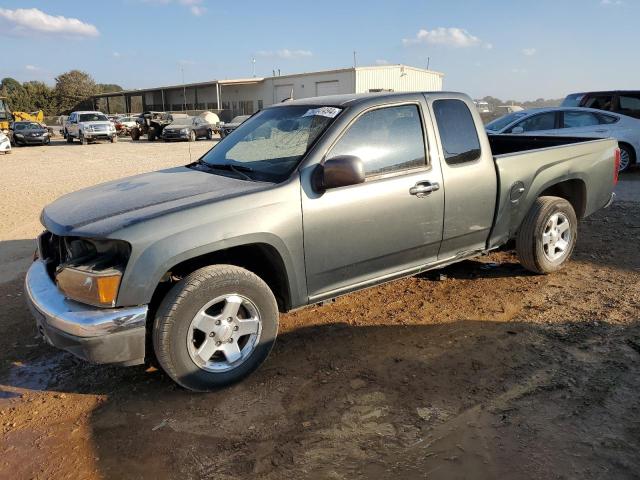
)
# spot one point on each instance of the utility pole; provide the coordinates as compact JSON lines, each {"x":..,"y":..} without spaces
{"x":253,"y":61}
{"x":428,"y":62}
{"x":184,"y":90}
{"x":355,"y":63}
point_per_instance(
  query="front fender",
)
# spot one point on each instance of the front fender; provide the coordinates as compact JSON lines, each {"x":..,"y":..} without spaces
{"x":272,"y":218}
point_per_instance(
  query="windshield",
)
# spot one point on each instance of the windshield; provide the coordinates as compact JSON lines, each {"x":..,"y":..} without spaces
{"x":26,"y":126}
{"x":182,"y":121}
{"x":573,"y":100}
{"x":271,"y":144}
{"x":239,"y":118}
{"x":499,"y":123}
{"x":93,"y":117}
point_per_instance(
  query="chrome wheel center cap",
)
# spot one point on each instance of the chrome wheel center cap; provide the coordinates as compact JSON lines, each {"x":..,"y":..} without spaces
{"x":224,"y":331}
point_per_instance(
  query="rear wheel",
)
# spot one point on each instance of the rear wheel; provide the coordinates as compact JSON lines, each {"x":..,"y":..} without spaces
{"x":209,"y":134}
{"x":68,"y":137}
{"x":547,"y":236}
{"x":83,"y":140}
{"x":135,"y":134}
{"x":114,"y":139}
{"x":214,"y":327}
{"x":627,"y":157}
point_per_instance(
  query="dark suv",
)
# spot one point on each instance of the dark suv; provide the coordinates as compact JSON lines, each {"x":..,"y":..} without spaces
{"x":624,"y":102}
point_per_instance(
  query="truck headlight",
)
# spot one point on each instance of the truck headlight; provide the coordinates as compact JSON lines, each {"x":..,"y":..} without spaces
{"x":86,"y":286}
{"x":92,"y":270}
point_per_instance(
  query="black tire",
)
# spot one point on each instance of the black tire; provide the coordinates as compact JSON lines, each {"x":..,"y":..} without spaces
{"x":83,"y":140}
{"x":135,"y":134}
{"x":192,"y":136}
{"x":184,"y":301}
{"x":631,"y":155}
{"x":209,"y":134}
{"x":114,"y":139}
{"x":68,"y":137}
{"x":529,"y":242}
{"x":151,"y":136}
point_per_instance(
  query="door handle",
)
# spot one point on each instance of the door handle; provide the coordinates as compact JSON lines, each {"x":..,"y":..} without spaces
{"x":421,"y":189}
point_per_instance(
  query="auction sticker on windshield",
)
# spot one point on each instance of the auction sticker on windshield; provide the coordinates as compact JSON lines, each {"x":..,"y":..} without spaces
{"x":330,"y":112}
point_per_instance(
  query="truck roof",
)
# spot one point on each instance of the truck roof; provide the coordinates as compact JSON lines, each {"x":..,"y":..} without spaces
{"x":357,"y":98}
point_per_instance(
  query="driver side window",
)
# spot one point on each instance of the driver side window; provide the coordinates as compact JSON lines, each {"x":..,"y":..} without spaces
{"x":387,"y":140}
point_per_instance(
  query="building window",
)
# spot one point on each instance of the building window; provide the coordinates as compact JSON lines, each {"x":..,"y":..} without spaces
{"x":246,"y":107}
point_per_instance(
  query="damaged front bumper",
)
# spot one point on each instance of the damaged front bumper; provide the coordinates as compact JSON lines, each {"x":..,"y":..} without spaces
{"x":98,"y":335}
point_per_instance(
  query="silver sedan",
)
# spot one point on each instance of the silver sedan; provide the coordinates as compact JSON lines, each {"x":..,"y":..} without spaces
{"x":574,"y":122}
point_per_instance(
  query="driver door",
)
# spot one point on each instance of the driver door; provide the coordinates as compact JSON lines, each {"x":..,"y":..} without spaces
{"x":364,"y":233}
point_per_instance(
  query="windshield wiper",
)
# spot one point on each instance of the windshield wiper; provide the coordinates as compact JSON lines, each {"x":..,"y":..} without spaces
{"x":239,"y":169}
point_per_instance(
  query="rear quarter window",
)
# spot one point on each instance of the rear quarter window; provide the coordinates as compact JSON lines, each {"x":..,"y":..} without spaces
{"x":457,"y":130}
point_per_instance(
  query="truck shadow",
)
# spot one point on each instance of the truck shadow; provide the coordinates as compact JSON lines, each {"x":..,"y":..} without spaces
{"x":387,"y":402}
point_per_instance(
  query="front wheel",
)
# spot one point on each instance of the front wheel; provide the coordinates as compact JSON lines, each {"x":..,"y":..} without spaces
{"x":547,"y":235}
{"x":192,"y":136}
{"x":215,"y":327}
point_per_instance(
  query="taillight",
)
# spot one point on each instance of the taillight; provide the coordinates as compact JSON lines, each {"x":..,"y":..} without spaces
{"x":616,"y":166}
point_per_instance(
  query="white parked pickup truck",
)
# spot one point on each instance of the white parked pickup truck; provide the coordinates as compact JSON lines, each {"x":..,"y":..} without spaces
{"x":89,"y":126}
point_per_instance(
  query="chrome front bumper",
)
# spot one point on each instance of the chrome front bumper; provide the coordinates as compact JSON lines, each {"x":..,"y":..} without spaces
{"x":99,"y":335}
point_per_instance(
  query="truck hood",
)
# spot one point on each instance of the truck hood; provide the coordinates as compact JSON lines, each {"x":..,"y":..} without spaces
{"x":100,"y":210}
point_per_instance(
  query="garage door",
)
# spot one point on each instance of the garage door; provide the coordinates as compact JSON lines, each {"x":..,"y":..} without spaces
{"x":327,"y":88}
{"x":281,"y":92}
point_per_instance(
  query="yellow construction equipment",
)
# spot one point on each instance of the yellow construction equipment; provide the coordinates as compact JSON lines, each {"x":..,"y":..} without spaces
{"x":7,"y":116}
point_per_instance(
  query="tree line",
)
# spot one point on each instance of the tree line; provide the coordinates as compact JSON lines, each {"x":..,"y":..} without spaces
{"x":72,"y":91}
{"x":539,"y":103}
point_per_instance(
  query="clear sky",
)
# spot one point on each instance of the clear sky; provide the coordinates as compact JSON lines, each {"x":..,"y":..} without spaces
{"x":513,"y":49}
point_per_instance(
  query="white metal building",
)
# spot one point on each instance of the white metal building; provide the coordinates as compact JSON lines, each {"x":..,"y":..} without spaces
{"x":247,"y":95}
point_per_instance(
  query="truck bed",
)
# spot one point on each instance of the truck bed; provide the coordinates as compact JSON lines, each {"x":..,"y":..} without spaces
{"x":530,"y":166}
{"x":505,"y":144}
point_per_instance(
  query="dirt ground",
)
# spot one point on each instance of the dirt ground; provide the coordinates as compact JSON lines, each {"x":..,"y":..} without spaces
{"x":480,"y":370}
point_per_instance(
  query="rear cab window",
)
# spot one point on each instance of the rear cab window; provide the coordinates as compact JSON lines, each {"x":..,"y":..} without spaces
{"x":458,"y":134}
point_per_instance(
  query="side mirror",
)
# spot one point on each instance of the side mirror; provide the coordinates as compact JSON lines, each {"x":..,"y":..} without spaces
{"x":517,"y":130}
{"x":340,"y":171}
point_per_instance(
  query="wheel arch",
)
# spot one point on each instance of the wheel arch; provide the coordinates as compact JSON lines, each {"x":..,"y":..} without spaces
{"x":572,"y":190}
{"x":263,"y":259}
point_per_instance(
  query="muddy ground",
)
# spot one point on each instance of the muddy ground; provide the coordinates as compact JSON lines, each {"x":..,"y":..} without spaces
{"x":480,"y":370}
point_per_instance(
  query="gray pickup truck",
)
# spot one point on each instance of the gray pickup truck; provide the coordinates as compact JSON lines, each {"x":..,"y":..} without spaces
{"x":307,"y":200}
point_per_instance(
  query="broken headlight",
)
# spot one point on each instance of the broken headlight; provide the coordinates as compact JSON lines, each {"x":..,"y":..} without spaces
{"x":92,"y":270}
